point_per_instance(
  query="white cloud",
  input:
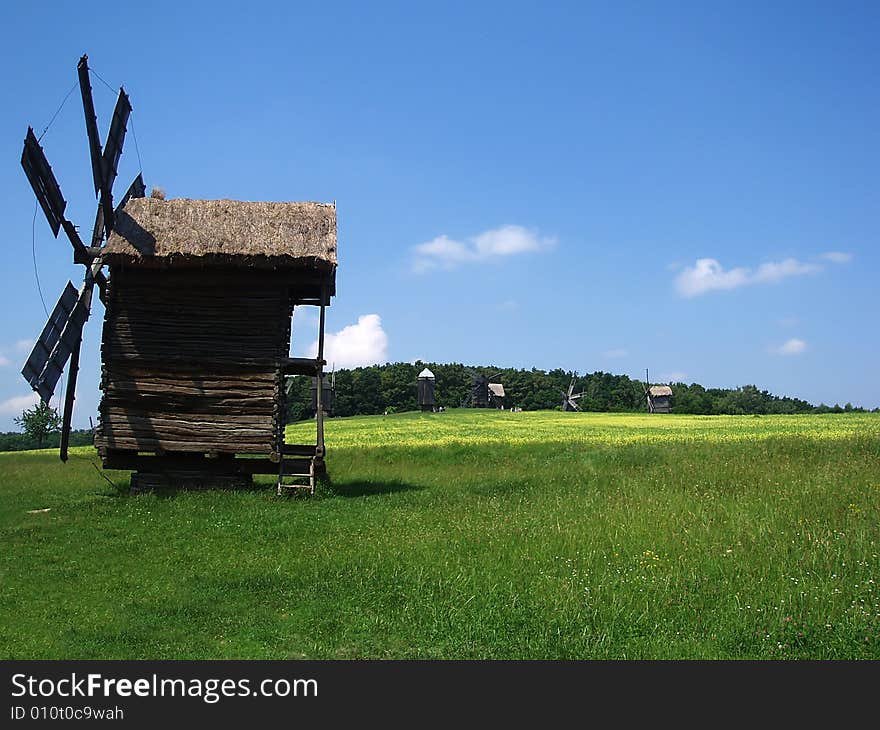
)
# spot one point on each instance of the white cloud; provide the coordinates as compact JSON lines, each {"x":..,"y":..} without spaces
{"x":15,"y":405}
{"x":706,"y":275}
{"x":18,"y":347}
{"x":364,"y":343}
{"x":794,"y":346}
{"x":304,"y":317}
{"x":676,"y":376}
{"x":616,"y":352}
{"x":447,"y":253}
{"x":836,"y":257}
{"x":774,"y":271}
{"x":709,"y":275}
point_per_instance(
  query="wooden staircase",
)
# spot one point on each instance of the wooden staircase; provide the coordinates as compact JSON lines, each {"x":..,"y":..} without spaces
{"x":298,"y":468}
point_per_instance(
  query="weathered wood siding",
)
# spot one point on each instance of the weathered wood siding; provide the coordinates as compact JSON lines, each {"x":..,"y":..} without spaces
{"x":191,"y":362}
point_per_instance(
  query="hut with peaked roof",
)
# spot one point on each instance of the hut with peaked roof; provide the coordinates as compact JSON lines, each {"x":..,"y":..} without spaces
{"x":425,"y":388}
{"x":496,"y":395}
{"x":659,"y":399}
{"x":196,"y":338}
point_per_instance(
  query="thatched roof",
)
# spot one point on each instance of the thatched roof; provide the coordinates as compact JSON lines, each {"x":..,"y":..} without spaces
{"x":497,"y":389}
{"x":183,"y":232}
{"x":661,"y":390}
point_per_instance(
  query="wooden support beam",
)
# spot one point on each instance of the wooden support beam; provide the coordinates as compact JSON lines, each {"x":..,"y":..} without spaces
{"x":301,"y":366}
{"x":319,"y":414}
{"x":69,"y":397}
{"x":186,"y":462}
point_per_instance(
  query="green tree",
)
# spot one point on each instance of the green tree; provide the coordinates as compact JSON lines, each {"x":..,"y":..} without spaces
{"x":38,"y":422}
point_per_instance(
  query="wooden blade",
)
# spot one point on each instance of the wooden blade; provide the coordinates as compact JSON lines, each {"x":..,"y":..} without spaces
{"x":98,"y":227}
{"x":85,"y":88}
{"x":137,"y":189}
{"x":70,"y":335}
{"x":45,"y":344}
{"x":116,"y":138}
{"x":42,"y":179}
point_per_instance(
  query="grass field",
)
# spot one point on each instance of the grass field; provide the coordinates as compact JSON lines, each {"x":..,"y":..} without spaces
{"x":468,"y":535}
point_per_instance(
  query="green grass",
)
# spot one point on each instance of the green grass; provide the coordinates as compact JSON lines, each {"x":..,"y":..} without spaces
{"x":468,"y":535}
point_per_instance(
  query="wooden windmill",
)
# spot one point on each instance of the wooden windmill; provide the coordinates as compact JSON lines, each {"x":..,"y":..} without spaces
{"x":425,"y":384}
{"x":484,"y":393}
{"x":61,"y":338}
{"x":570,"y":398}
{"x":328,"y":389}
{"x":196,"y":339}
{"x":658,"y":397}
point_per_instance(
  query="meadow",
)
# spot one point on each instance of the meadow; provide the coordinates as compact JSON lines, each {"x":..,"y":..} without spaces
{"x":468,"y":534}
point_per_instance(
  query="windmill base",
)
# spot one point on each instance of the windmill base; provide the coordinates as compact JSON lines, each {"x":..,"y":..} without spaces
{"x":190,"y":480}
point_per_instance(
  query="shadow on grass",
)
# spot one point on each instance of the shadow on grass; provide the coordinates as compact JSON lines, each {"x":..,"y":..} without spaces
{"x":121,"y":489}
{"x":367,"y":489}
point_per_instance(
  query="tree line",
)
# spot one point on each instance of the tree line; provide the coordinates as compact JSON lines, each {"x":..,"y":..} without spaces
{"x":392,"y":388}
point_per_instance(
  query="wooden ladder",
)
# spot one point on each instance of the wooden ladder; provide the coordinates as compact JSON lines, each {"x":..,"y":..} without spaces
{"x":302,"y":478}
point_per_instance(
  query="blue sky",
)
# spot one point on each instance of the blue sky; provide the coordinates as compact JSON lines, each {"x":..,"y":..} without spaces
{"x":689,"y":187}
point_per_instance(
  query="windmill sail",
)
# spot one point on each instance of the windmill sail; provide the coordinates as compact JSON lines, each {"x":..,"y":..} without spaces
{"x":85,"y":88}
{"x":42,"y":179}
{"x":59,"y":338}
{"x":137,"y":189}
{"x":115,"y":138}
{"x":569,"y":397}
{"x":47,"y":340}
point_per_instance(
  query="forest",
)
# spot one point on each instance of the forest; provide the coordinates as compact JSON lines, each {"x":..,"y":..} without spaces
{"x":392,"y":388}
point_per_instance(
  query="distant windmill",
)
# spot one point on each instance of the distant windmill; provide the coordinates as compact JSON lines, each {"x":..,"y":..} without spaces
{"x":570,"y":398}
{"x":483,"y":393}
{"x":657,"y":397}
{"x":425,"y":386}
{"x":328,"y":393}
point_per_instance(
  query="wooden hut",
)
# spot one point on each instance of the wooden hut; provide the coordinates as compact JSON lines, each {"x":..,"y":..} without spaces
{"x":196,"y":338}
{"x":496,"y":395}
{"x":659,"y":399}
{"x":328,"y":395}
{"x":425,"y":389}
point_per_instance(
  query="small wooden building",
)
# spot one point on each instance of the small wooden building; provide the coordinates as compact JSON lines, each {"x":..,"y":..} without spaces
{"x":659,"y":399}
{"x":496,"y":395}
{"x":196,"y":337}
{"x":328,"y":395}
{"x":425,"y":389}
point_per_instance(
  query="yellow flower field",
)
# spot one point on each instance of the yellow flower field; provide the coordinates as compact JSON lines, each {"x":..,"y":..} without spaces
{"x":486,"y":427}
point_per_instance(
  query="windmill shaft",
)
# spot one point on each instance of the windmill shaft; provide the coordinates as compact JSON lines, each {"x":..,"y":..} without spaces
{"x":85,"y":301}
{"x":69,"y":397}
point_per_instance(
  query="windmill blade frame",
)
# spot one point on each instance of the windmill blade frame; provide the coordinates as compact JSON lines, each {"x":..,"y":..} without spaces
{"x":60,"y":341}
{"x":62,"y":345}
{"x":110,"y":158}
{"x":45,"y":344}
{"x":42,"y":179}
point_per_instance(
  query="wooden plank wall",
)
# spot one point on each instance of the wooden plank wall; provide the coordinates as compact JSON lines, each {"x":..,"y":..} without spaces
{"x":191,"y":362}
